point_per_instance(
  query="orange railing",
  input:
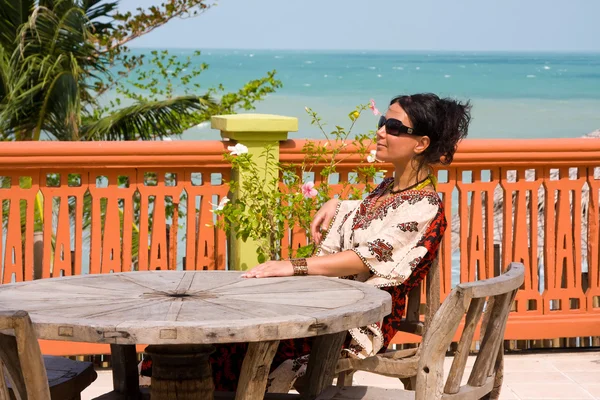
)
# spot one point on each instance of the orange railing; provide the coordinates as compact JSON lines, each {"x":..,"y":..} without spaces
{"x":83,"y":196}
{"x":72,"y":208}
{"x":533,"y":201}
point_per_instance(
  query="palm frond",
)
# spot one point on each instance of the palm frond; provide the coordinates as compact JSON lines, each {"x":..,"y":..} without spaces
{"x":99,"y":14}
{"x":150,"y":120}
{"x":13,"y":14}
{"x":4,"y":75}
{"x":60,"y":112}
{"x":50,"y":73}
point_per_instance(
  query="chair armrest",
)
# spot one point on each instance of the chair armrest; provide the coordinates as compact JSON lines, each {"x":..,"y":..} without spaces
{"x":397,"y":368}
{"x":399,"y":354}
{"x":414,"y":327}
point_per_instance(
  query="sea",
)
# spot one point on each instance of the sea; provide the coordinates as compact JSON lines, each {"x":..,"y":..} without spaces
{"x":514,"y":95}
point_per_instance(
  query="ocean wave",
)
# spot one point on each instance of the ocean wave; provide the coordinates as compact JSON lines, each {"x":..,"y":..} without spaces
{"x":203,"y":125}
{"x":306,"y":85}
{"x":447,"y":76}
{"x":398,"y":68}
{"x":372,"y":67}
{"x":309,"y":62}
{"x":546,"y":67}
{"x":379,"y":75}
{"x":531,"y":76}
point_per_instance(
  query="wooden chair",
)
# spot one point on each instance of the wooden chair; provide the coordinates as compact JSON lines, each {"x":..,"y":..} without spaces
{"x":31,"y":376}
{"x":490,"y":298}
{"x":400,"y":364}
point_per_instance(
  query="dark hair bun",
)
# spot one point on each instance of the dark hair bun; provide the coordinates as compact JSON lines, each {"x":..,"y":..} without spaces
{"x":445,"y":121}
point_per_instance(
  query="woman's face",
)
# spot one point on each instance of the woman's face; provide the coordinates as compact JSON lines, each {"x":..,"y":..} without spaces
{"x":397,"y":149}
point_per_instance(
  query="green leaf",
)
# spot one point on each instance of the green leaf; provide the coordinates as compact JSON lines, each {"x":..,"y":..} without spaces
{"x":146,"y":120}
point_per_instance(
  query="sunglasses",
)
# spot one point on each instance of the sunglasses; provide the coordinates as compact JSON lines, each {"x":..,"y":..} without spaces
{"x":394,"y":127}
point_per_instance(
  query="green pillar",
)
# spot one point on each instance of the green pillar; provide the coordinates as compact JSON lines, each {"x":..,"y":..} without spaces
{"x":255,"y":131}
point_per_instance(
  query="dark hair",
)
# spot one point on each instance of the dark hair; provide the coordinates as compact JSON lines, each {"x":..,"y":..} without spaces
{"x":444,"y":121}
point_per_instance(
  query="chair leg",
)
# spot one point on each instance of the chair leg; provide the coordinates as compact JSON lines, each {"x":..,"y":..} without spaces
{"x":4,"y":395}
{"x":498,"y":379}
{"x":345,"y":378}
{"x":409,"y":383}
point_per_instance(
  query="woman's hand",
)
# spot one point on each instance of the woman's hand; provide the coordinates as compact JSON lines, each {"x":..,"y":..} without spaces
{"x":269,"y":269}
{"x":322,"y":220}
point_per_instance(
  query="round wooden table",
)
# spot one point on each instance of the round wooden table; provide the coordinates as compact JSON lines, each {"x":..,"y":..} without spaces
{"x":180,"y":313}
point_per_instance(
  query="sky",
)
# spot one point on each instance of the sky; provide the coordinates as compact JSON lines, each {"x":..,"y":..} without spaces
{"x":442,"y":25}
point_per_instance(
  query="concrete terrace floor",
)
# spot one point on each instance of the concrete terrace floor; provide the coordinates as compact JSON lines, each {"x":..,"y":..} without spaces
{"x":546,"y":375}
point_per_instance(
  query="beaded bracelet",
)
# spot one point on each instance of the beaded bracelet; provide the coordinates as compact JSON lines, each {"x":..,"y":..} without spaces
{"x":300,"y":266}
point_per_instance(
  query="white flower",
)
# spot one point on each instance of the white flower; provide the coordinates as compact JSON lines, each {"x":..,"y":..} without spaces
{"x":371,"y":157}
{"x":221,"y":205}
{"x":237,"y":149}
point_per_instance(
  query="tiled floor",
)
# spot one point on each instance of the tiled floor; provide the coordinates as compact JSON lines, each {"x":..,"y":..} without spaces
{"x":542,"y":376}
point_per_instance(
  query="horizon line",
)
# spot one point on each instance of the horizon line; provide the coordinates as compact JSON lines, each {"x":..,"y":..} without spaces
{"x":372,"y":50}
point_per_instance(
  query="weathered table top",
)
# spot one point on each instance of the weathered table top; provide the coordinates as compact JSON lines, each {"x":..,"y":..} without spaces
{"x":172,"y":307}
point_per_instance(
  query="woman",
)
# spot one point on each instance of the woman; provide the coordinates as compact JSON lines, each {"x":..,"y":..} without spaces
{"x":388,"y":240}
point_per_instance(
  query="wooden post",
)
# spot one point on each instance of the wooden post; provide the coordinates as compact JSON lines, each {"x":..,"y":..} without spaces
{"x":38,"y":254}
{"x":321,"y":364}
{"x":256,"y":132}
{"x":255,"y":370}
{"x":125,"y":372}
{"x":181,"y":372}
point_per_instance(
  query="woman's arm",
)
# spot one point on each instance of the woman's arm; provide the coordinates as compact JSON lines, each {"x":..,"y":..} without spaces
{"x":339,"y":264}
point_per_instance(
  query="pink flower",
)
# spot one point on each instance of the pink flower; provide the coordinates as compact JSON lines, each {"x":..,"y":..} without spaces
{"x":373,"y":108}
{"x":308,"y":190}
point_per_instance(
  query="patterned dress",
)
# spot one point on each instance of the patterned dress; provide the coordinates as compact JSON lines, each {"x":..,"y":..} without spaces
{"x":397,"y":239}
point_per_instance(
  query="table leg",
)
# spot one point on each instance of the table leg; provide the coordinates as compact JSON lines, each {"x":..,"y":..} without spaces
{"x":252,"y":383}
{"x":324,"y":355}
{"x":126,"y":380}
{"x":181,"y":372}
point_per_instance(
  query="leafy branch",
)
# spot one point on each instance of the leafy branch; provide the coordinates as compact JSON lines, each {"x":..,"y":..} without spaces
{"x":267,"y":205}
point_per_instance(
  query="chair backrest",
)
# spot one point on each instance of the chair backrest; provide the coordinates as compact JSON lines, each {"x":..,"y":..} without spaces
{"x":21,"y":357}
{"x":412,"y":322}
{"x":487,"y":300}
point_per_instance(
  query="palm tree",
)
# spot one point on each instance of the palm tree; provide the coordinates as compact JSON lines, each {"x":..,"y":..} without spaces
{"x":49,"y":62}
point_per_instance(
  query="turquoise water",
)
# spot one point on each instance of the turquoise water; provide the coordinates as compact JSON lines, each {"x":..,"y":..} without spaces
{"x":514,"y":95}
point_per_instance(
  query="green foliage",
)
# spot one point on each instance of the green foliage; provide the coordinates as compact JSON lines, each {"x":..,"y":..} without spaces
{"x":57,"y":58}
{"x":129,"y":26}
{"x":167,"y":76}
{"x":269,"y":205}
